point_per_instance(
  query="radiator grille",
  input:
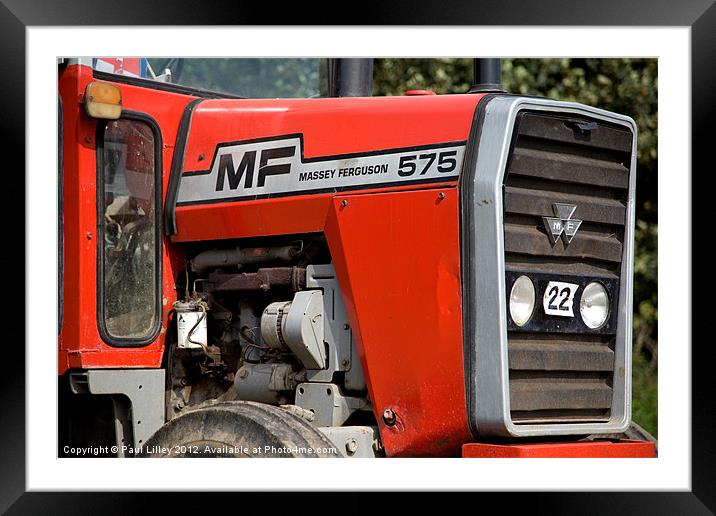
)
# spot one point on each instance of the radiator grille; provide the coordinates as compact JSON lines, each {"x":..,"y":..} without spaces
{"x":564,"y":377}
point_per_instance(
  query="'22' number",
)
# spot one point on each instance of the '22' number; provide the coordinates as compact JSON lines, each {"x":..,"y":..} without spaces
{"x":446,"y":163}
{"x":553,"y":293}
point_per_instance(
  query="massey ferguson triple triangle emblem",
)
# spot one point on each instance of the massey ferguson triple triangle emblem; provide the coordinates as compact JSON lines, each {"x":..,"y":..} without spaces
{"x":563,"y":224}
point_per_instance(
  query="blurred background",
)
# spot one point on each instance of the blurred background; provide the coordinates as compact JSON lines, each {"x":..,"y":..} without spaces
{"x":626,"y":86}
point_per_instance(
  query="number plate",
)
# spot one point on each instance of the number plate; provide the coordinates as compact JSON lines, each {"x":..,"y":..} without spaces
{"x":559,"y":298}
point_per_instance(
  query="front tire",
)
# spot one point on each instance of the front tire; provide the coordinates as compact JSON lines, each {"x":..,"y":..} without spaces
{"x":240,"y":429}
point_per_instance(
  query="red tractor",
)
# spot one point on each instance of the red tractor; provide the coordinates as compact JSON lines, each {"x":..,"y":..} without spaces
{"x":340,"y":275}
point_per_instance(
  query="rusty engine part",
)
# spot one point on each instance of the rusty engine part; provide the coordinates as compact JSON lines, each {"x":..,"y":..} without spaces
{"x":238,"y":257}
{"x":293,"y":278}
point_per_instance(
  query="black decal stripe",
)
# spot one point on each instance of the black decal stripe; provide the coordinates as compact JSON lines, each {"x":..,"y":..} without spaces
{"x":177,"y":164}
{"x":320,"y":159}
{"x":318,"y":191}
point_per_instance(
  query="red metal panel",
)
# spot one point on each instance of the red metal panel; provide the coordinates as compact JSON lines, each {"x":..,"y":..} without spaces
{"x":262,"y":217}
{"x":397,"y":257}
{"x":252,"y":218}
{"x":80,"y":345}
{"x":624,"y":448}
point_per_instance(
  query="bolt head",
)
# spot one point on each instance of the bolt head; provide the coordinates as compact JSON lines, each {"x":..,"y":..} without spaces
{"x":389,"y":417}
{"x":351,"y":446}
{"x":243,"y":373}
{"x":344,"y":203}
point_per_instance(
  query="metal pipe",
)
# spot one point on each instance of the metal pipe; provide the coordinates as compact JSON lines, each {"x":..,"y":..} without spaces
{"x":264,"y":279}
{"x":349,"y":77}
{"x":486,"y":75}
{"x":237,"y":257}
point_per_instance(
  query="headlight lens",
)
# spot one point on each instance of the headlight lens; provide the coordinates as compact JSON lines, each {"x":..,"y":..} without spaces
{"x":594,"y":305}
{"x":522,"y":300}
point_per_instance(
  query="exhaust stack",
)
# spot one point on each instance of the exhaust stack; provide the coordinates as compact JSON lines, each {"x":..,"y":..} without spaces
{"x":350,"y":77}
{"x":486,"y":75}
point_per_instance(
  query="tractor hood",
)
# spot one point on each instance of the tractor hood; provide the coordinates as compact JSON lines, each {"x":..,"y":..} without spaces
{"x":240,"y":162}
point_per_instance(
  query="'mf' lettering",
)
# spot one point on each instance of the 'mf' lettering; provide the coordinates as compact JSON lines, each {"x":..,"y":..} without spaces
{"x":271,"y":170}
{"x":246,"y":167}
{"x":226,"y":168}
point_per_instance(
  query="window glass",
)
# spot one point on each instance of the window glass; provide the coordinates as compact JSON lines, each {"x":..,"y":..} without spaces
{"x":247,"y":77}
{"x":129,"y":238}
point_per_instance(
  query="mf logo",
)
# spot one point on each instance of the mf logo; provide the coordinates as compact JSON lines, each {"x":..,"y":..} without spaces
{"x":562,"y":224}
{"x":231,"y":173}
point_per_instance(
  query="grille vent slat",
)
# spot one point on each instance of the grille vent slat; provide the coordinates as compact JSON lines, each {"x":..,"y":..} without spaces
{"x":566,"y":131}
{"x":539,"y":203}
{"x":554,"y":166}
{"x":528,"y":240}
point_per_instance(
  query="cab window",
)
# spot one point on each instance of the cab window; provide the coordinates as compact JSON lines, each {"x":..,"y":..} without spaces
{"x":128,"y":208}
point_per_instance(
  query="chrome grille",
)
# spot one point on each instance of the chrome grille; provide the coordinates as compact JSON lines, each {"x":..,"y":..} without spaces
{"x":564,"y":377}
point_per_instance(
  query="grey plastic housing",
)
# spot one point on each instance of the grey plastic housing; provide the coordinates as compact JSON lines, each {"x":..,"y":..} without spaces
{"x":484,"y":296}
{"x":297,"y":325}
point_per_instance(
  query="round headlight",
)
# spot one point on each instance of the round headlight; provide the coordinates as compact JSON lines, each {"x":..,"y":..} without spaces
{"x":594,"y":306}
{"x":522,"y":300}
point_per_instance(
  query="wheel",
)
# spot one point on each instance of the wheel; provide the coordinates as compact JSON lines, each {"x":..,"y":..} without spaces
{"x":238,"y":429}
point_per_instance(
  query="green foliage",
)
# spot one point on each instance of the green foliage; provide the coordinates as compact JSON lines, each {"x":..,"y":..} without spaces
{"x":396,"y":76}
{"x":627,"y":86}
{"x":644,"y":399}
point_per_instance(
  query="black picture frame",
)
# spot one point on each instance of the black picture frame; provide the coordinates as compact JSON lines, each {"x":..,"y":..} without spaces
{"x":17,"y":15}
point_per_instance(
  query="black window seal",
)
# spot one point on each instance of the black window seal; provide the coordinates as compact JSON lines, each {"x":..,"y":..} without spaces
{"x":109,"y":339}
{"x":176,"y":167}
